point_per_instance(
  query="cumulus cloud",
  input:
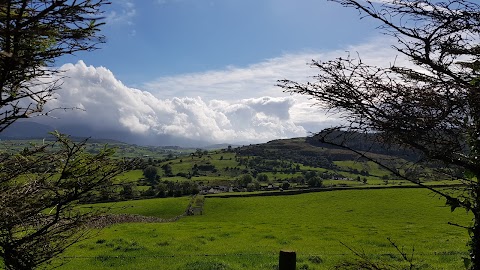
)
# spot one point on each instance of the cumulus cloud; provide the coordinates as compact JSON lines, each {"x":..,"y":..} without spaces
{"x":237,"y":104}
{"x":108,"y":105}
{"x":259,"y":80}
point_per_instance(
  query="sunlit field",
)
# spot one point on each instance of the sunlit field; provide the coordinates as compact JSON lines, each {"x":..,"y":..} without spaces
{"x":248,"y":233}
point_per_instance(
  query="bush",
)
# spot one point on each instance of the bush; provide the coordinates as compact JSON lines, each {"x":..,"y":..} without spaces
{"x":244,"y":180}
{"x":262,"y":177}
{"x":315,"y":182}
{"x":150,"y":173}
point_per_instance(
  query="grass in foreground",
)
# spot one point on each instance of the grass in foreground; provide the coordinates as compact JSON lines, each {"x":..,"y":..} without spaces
{"x":247,"y":233}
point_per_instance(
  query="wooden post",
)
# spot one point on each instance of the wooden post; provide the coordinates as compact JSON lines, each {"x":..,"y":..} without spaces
{"x":287,"y":260}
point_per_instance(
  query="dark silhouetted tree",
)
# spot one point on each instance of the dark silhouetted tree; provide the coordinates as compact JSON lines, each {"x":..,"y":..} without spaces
{"x":33,"y":33}
{"x":38,"y":218}
{"x":430,"y":106}
{"x":39,"y":214}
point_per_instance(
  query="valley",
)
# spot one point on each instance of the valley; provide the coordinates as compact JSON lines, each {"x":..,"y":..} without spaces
{"x":228,"y":209}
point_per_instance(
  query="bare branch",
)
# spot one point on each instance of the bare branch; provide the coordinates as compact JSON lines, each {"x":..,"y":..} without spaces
{"x":430,"y":106}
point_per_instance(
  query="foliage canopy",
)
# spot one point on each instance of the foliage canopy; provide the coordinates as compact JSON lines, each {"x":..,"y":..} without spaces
{"x":33,"y":33}
{"x":430,"y":105}
{"x":40,"y":187}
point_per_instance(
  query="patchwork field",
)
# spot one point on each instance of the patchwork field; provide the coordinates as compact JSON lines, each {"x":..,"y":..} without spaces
{"x":247,"y":233}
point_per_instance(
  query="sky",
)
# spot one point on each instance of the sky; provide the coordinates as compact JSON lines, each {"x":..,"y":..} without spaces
{"x":178,"y":71}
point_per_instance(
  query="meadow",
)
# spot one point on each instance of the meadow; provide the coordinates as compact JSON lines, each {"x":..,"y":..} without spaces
{"x":165,"y":208}
{"x":248,"y":233}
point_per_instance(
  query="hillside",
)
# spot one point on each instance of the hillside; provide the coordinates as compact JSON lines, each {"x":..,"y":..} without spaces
{"x":309,"y":151}
{"x":294,"y":164}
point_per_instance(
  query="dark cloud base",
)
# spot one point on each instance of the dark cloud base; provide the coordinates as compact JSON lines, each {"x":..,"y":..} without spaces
{"x":27,"y":129}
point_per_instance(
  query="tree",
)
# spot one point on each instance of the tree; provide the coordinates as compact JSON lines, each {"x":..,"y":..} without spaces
{"x":41,"y":186}
{"x":198,"y":152}
{"x":150,"y":173}
{"x":262,"y":177}
{"x":254,"y":185}
{"x":161,"y":189}
{"x":309,"y":174}
{"x":244,"y":180}
{"x":128,"y":191}
{"x":33,"y":33}
{"x":39,"y":214}
{"x":315,"y":182}
{"x":430,"y":106}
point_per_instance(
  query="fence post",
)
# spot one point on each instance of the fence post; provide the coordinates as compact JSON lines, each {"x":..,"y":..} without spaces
{"x":287,"y":260}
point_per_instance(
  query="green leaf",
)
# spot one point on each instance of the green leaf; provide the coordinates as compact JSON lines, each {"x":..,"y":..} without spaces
{"x":466,"y":262}
{"x":453,"y":203}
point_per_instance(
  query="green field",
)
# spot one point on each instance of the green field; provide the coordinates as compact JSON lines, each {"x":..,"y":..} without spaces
{"x":162,"y":208}
{"x":247,"y":233}
{"x":95,"y":145}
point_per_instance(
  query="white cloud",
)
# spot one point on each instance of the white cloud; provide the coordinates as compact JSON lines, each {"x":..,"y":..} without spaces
{"x":238,"y":104}
{"x":235,"y":83}
{"x":123,"y":12}
{"x":109,"y":105}
{"x":259,"y":80}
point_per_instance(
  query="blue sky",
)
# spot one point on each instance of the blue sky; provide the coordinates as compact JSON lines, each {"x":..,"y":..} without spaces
{"x":151,"y":38}
{"x":206,"y":69}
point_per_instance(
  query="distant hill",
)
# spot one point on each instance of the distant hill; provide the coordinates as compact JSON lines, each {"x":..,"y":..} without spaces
{"x":363,"y":143}
{"x":26,"y":130}
{"x":296,"y":150}
{"x":310,"y":151}
{"x":220,"y":146}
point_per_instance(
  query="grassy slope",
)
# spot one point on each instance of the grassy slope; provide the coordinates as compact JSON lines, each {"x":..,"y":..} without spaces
{"x":311,"y":224}
{"x":221,"y":160}
{"x":162,"y":208}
